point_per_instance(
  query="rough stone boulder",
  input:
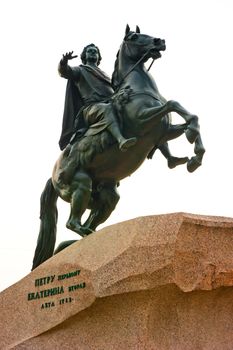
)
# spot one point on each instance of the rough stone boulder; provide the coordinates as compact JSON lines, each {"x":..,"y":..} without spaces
{"x":157,"y":282}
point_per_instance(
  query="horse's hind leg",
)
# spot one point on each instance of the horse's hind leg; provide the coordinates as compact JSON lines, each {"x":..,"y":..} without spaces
{"x":103,"y":205}
{"x":81,"y":188}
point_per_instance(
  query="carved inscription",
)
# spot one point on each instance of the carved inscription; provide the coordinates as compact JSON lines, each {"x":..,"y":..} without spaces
{"x":45,"y":293}
{"x":51,"y":287}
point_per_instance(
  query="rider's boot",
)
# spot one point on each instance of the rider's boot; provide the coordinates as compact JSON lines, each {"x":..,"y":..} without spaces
{"x":124,"y":143}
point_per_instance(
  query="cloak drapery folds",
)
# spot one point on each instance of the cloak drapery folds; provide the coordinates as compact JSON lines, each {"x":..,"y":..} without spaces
{"x":98,"y":86}
{"x":73,"y":103}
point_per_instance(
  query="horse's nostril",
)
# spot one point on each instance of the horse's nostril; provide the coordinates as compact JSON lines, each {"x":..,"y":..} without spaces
{"x":156,"y":41}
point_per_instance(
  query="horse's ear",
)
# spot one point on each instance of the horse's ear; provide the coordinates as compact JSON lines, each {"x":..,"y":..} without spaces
{"x":127,"y":29}
{"x":137,"y":29}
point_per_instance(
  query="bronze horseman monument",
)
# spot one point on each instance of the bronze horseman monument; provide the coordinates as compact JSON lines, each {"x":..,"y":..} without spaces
{"x":96,"y":155}
{"x":152,"y":283}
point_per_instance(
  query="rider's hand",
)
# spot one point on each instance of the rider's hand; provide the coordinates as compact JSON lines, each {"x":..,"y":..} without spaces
{"x":68,"y":56}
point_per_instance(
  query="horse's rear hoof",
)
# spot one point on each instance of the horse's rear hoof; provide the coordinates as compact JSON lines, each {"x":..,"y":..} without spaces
{"x":64,"y":245}
{"x":85,"y":231}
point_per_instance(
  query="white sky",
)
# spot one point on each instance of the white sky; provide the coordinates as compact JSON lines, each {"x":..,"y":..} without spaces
{"x":196,"y":70}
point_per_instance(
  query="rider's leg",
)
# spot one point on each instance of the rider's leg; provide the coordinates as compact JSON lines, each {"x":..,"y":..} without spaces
{"x":172,"y":162}
{"x":104,"y":115}
{"x":81,"y":187}
{"x":124,"y":143}
{"x":114,"y":129}
{"x":104,"y":203}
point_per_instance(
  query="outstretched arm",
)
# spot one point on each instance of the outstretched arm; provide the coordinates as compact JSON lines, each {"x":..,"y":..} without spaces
{"x":64,"y":69}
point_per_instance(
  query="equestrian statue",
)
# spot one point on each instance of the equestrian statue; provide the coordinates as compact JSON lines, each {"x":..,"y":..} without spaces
{"x":110,"y":126}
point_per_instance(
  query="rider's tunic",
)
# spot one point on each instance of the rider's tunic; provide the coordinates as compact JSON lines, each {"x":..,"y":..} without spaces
{"x":88,"y":90}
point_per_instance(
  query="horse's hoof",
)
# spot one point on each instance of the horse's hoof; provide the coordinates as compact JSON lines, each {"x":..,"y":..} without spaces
{"x":64,"y":245}
{"x":191,"y":133}
{"x":78,"y":228}
{"x":174,"y":161}
{"x":85,"y":231}
{"x":193,"y":164}
{"x":74,"y":226}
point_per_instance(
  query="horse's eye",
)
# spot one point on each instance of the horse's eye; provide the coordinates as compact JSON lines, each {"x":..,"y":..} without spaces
{"x":133,"y":36}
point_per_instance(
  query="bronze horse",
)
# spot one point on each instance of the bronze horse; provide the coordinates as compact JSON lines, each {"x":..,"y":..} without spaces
{"x":100,"y":165}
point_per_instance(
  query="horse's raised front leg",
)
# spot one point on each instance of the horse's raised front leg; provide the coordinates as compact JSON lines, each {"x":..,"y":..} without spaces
{"x":158,"y":112}
{"x":172,"y":132}
{"x":199,"y":150}
{"x":196,"y":160}
{"x":81,"y":188}
{"x":193,"y":128}
{"x":172,"y":161}
{"x":104,"y":202}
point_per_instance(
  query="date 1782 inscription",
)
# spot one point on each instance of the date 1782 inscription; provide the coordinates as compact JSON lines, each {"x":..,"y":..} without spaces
{"x":50,"y":292}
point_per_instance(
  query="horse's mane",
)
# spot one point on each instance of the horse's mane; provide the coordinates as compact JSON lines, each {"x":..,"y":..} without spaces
{"x":115,"y":77}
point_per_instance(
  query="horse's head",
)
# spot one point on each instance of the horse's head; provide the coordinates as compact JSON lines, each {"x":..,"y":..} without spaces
{"x":142,"y":46}
{"x":136,"y":49}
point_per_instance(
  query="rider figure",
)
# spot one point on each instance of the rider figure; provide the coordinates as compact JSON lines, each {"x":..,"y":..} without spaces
{"x":87,"y":99}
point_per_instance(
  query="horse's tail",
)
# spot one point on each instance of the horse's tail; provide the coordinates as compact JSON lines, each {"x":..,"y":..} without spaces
{"x":48,"y":225}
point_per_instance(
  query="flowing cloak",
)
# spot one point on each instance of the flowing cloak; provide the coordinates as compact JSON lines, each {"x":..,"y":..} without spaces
{"x":100,"y":87}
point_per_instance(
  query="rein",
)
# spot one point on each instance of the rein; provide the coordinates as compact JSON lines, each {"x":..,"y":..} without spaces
{"x":134,"y":66}
{"x":150,"y":65}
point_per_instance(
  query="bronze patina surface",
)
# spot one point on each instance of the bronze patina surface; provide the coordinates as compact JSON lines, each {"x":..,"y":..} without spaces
{"x":109,"y":128}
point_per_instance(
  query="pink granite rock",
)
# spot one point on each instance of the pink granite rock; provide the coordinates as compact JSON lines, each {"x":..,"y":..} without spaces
{"x":156,"y":282}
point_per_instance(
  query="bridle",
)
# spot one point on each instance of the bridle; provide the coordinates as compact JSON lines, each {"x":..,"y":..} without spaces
{"x":135,"y":65}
